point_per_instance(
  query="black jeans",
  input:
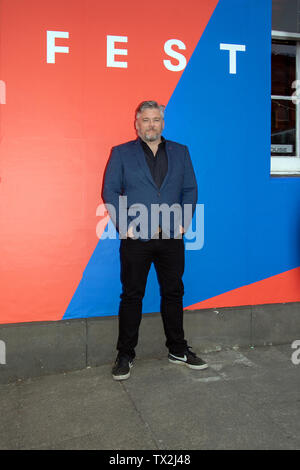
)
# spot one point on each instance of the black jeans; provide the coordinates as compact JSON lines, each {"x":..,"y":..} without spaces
{"x":136,"y":257}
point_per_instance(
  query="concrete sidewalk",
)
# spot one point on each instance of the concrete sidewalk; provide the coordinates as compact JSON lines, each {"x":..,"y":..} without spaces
{"x":246,"y":399}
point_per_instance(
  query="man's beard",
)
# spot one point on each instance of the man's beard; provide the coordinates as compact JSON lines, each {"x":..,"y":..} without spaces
{"x":152,"y":138}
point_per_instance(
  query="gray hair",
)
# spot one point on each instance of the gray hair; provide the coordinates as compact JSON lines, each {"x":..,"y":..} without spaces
{"x":149,"y":105}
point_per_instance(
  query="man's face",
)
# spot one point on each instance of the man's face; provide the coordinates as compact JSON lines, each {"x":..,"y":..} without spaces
{"x":149,"y":125}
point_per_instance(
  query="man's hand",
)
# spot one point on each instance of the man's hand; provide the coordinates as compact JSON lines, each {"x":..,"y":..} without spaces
{"x":130,"y":234}
{"x":181,"y":229}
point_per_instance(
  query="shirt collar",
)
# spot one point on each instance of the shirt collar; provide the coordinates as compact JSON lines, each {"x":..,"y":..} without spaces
{"x":145,"y":145}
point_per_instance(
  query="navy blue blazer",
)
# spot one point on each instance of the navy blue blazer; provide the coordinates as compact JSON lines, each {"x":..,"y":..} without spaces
{"x":128,"y":175}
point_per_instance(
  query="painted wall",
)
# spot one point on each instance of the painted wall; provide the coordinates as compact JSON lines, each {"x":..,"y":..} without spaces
{"x":68,"y":94}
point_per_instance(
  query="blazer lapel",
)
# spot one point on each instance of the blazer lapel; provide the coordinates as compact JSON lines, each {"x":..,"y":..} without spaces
{"x":170,"y":162}
{"x":144,"y":166}
{"x":142,"y":162}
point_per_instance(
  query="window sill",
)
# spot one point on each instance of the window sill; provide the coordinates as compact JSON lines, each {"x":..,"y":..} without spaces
{"x":285,"y":166}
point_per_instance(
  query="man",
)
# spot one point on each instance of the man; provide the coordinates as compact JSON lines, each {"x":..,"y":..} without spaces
{"x":145,"y":174}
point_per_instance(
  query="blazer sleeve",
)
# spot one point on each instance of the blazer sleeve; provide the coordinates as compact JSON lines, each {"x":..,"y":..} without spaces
{"x":189,"y":191}
{"x":113,"y":190}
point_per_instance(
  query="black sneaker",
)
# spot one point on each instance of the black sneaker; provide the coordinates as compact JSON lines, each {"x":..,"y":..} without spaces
{"x":121,"y":368}
{"x":189,"y":359}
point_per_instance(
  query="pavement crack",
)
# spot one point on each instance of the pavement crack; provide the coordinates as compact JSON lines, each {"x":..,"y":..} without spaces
{"x":147,"y":425}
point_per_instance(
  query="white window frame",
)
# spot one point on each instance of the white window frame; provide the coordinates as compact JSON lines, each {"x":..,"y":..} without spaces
{"x":282,"y":165}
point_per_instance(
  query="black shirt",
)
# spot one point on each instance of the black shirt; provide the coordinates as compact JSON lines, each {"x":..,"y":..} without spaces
{"x":158,"y":164}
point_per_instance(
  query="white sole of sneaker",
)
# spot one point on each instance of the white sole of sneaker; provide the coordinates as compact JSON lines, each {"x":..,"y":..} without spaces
{"x":190,"y":366}
{"x":123,"y":377}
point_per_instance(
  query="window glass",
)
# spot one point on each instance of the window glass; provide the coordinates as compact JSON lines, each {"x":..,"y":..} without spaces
{"x":285,"y":15}
{"x":283,"y":134}
{"x":283,"y":67}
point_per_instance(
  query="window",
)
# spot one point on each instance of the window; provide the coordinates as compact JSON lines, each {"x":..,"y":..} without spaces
{"x":285,"y":109}
{"x":286,"y":15}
